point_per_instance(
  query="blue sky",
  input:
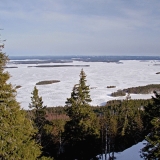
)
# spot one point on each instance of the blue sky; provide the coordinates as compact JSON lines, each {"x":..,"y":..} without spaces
{"x":80,"y":27}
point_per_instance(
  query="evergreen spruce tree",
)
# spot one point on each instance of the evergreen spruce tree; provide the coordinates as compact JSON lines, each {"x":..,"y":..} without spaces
{"x":152,"y":148}
{"x":82,"y":129}
{"x":38,"y":108}
{"x":40,"y":124}
{"x":39,"y":115}
{"x":40,"y":112}
{"x":16,"y":131}
{"x":36,"y":100}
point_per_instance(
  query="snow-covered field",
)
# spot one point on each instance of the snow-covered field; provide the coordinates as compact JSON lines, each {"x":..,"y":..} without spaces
{"x":99,"y":75}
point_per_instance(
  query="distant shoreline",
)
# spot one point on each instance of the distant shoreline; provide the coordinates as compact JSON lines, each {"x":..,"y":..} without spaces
{"x":41,"y":66}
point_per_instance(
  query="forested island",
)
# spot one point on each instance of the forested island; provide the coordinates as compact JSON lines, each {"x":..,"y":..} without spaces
{"x":138,"y":90}
{"x":47,"y":82}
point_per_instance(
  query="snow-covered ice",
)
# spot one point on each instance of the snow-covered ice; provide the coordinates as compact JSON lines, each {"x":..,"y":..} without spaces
{"x":129,"y":73}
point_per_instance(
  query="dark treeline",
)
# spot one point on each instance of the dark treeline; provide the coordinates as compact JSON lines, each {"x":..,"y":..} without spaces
{"x":121,"y":121}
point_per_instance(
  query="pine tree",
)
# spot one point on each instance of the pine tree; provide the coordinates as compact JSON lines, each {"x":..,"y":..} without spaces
{"x":16,"y":131}
{"x":82,"y":129}
{"x":152,"y":148}
{"x":153,"y":109}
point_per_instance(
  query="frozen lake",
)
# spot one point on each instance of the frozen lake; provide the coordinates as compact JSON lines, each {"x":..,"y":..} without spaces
{"x":129,"y":73}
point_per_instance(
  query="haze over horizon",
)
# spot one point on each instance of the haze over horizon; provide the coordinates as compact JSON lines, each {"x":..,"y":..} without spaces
{"x":86,"y":27}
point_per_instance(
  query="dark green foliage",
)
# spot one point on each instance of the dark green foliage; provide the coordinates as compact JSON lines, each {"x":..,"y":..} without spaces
{"x":53,"y":129}
{"x":39,"y":118}
{"x":39,"y":113}
{"x":53,"y":137}
{"x":143,"y":89}
{"x":153,"y":109}
{"x":82,"y":130}
{"x":36,"y":101}
{"x":152,"y":148}
{"x":115,"y":104}
{"x":118,"y":93}
{"x":123,"y":120}
{"x":16,"y":131}
{"x":137,"y":90}
{"x":80,"y":94}
{"x":125,"y":127}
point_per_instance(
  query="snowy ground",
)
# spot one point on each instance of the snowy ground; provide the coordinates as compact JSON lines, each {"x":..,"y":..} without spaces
{"x":132,"y":153}
{"x":99,"y":76}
